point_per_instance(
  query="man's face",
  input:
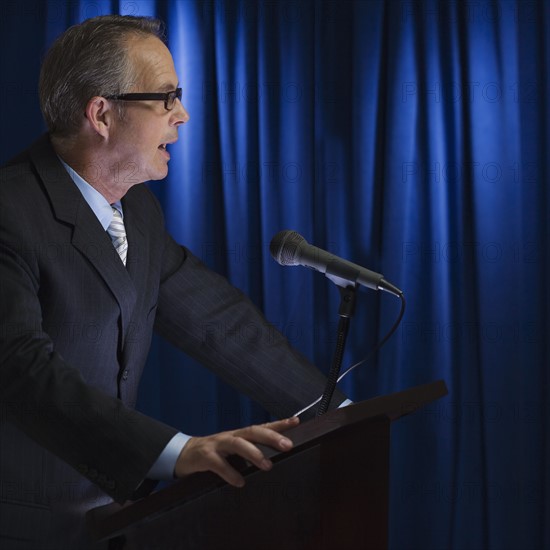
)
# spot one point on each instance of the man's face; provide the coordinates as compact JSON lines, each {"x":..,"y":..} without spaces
{"x":139,"y":142}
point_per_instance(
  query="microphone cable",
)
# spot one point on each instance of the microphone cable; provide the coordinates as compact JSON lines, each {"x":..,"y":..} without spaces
{"x":369,"y":355}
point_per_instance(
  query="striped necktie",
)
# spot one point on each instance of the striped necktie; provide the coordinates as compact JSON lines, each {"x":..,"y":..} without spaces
{"x":117,"y":232}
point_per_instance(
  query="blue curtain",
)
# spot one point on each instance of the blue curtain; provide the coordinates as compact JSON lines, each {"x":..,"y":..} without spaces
{"x":407,"y":136}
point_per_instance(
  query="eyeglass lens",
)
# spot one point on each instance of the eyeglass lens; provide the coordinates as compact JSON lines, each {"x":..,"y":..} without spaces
{"x":171,"y":99}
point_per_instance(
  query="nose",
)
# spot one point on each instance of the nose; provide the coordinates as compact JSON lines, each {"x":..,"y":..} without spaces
{"x":179,"y":114}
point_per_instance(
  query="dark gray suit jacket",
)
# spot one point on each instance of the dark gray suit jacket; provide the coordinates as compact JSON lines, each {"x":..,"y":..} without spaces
{"x":75,"y":330}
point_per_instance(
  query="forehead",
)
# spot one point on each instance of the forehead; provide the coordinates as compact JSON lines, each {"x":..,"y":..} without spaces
{"x":153,"y":66}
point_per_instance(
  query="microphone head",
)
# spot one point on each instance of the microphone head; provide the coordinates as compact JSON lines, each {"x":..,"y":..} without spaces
{"x":285,"y":247}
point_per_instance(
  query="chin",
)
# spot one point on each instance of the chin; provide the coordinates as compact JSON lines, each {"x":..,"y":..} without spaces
{"x":158,"y":175}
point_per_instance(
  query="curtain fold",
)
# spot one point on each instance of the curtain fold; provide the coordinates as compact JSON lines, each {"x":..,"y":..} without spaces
{"x":410,"y":137}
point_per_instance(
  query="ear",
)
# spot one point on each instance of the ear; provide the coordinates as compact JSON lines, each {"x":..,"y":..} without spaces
{"x":100,"y":115}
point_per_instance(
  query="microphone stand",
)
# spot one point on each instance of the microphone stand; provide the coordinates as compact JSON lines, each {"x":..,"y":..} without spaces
{"x":346,"y":311}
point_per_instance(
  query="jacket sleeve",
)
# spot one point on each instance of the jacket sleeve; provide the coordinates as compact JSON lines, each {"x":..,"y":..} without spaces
{"x":200,"y":312}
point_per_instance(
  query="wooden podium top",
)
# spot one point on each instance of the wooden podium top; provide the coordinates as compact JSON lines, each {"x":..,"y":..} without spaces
{"x":108,"y":521}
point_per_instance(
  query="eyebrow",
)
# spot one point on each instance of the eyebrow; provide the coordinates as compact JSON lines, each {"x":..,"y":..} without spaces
{"x":168,"y":87}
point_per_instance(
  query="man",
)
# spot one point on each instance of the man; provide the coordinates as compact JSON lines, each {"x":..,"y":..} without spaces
{"x":87,"y":272}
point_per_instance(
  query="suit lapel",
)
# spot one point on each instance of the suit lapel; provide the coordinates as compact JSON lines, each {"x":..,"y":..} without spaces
{"x":138,"y":247}
{"x":95,"y":243}
{"x":88,"y":236}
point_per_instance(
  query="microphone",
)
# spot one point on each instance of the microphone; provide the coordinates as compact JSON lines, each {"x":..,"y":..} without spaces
{"x":290,"y":248}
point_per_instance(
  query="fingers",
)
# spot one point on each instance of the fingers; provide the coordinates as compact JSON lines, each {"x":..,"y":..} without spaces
{"x":202,"y":454}
{"x":221,"y":467}
{"x":270,"y":434}
{"x":238,"y":445}
{"x":282,"y":425}
{"x":208,"y":453}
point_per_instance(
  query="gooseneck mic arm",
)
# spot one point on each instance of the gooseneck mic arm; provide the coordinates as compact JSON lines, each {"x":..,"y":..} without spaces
{"x":346,"y":311}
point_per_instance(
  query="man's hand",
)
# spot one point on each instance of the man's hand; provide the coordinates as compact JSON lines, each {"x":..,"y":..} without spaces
{"x":208,"y":453}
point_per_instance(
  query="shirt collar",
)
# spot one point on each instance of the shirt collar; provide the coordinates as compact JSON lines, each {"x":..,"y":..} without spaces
{"x":96,"y":201}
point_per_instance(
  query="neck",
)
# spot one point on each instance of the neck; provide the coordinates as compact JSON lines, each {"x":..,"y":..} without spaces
{"x":93,"y":166}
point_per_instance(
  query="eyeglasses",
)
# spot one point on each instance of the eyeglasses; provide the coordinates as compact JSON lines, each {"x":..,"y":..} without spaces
{"x":169,"y":98}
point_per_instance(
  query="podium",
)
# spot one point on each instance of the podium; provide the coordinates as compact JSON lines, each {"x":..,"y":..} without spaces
{"x":330,"y":492}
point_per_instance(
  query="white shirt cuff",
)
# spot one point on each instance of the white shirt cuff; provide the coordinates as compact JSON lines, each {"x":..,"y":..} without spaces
{"x":163,"y":468}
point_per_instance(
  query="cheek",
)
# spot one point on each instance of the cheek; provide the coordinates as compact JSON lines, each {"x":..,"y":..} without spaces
{"x":150,"y":141}
{"x":145,"y":149}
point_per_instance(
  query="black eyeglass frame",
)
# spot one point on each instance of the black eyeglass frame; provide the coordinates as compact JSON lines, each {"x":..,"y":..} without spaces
{"x":145,"y":96}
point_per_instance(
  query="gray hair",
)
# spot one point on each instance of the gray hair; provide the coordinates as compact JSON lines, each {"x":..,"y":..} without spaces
{"x":87,"y":60}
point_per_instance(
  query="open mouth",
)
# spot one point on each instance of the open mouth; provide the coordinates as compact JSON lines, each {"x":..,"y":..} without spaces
{"x":163,"y":149}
